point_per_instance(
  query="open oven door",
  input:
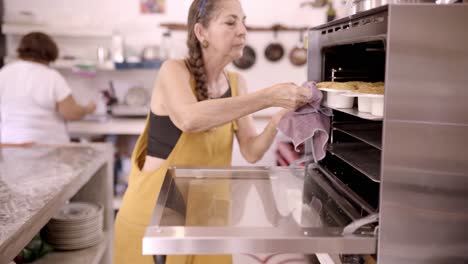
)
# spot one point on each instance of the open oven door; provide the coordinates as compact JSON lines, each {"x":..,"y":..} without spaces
{"x":239,"y":210}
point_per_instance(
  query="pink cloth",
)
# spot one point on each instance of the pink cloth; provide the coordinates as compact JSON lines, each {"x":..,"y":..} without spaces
{"x":309,"y":121}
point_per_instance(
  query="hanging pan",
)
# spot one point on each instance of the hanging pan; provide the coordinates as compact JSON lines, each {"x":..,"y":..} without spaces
{"x":298,"y":55}
{"x":274,"y":51}
{"x":247,"y":60}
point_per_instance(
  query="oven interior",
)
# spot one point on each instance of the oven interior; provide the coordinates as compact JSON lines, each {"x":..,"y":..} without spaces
{"x":352,"y":165}
{"x":354,"y":62}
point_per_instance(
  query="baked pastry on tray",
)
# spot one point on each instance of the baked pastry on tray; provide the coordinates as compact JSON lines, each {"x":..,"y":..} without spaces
{"x":372,"y":88}
{"x":337,"y":85}
{"x":324,"y":84}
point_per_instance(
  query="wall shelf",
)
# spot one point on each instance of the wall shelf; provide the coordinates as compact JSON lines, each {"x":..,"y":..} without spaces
{"x":90,"y":65}
{"x":278,"y":27}
{"x":91,"y":31}
{"x":69,"y":64}
{"x":139,"y":65}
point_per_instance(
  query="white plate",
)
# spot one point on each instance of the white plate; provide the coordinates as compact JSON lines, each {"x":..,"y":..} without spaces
{"x":72,"y":240}
{"x":77,"y":211}
{"x":79,"y":245}
{"x":73,"y":234}
{"x":73,"y":222}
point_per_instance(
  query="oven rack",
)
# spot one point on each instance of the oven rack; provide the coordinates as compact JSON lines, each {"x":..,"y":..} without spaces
{"x":370,"y":133}
{"x":343,"y":189}
{"x":361,"y":156}
{"x":355,"y":112}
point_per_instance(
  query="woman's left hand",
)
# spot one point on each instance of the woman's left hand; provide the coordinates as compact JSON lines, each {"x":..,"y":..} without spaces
{"x":278,"y":116}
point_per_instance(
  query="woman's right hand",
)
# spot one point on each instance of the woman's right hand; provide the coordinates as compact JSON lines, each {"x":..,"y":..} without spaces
{"x":288,"y":95}
{"x":90,"y":108}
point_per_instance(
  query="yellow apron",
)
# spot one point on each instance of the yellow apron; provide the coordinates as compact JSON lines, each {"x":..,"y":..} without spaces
{"x":210,"y":148}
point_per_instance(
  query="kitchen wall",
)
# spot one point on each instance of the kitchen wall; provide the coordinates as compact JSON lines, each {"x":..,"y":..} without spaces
{"x":123,"y":13}
{"x":140,"y":30}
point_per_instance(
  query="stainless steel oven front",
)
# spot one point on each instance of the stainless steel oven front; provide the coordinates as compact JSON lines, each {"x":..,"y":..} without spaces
{"x":411,"y":165}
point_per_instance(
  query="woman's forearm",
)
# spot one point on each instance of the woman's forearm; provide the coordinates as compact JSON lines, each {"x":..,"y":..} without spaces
{"x":257,"y":146}
{"x":208,"y":114}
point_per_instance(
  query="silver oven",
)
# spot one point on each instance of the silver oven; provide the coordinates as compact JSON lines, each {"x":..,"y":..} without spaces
{"x":391,"y":188}
{"x":416,"y":158}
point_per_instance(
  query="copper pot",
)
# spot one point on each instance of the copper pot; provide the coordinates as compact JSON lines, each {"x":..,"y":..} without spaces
{"x":298,"y":55}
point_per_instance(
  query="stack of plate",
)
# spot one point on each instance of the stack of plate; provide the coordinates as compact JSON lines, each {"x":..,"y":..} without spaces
{"x":76,"y":226}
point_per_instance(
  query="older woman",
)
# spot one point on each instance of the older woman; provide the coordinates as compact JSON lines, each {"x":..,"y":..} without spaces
{"x":197,"y":107}
{"x":35,"y":100}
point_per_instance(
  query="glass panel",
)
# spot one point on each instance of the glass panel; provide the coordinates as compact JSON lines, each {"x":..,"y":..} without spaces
{"x":266,"y":206}
{"x":265,"y":198}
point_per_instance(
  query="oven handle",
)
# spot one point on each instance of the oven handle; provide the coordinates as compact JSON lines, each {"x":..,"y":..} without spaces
{"x":307,"y":159}
{"x":355,"y":225}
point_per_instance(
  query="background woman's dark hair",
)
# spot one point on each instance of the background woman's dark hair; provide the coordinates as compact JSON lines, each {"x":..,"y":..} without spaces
{"x":38,"y":46}
{"x":201,"y":11}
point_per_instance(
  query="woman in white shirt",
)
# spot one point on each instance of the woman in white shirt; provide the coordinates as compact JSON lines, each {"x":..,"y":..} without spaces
{"x":35,"y":100}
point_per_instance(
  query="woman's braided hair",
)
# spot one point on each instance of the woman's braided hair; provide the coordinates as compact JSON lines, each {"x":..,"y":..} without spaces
{"x":201,"y":11}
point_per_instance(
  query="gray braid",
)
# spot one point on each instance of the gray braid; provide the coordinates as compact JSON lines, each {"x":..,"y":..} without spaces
{"x":203,"y":15}
{"x":197,"y":68}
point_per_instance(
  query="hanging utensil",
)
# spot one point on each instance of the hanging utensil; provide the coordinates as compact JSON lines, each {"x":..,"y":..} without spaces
{"x":314,"y":3}
{"x":298,"y":55}
{"x":274,"y":51}
{"x":247,"y":60}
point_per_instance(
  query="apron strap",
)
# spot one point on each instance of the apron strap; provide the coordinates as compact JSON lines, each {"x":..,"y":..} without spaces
{"x":233,"y":83}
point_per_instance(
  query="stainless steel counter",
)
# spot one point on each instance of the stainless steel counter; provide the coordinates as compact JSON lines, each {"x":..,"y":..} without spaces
{"x":109,"y":126}
{"x":118,"y":126}
{"x":36,"y":181}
